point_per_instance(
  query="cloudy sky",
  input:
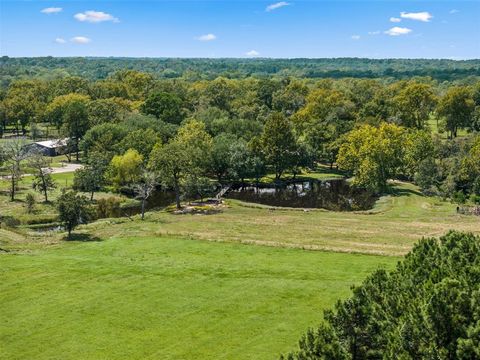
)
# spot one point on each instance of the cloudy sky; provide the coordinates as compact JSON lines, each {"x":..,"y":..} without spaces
{"x":158,"y":28}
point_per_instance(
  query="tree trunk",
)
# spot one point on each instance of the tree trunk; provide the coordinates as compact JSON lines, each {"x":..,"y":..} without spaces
{"x":143,"y":208}
{"x":76,"y":149}
{"x":44,"y":187}
{"x":177,"y":194}
{"x":12,"y":192}
{"x":91,"y":196}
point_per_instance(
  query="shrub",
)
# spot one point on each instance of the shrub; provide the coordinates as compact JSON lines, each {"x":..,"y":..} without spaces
{"x":109,"y":207}
{"x":30,"y":203}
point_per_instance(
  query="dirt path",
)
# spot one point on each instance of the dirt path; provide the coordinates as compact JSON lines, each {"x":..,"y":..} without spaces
{"x":65,"y":168}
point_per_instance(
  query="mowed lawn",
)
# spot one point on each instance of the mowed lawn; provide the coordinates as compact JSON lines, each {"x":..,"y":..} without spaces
{"x":168,"y":298}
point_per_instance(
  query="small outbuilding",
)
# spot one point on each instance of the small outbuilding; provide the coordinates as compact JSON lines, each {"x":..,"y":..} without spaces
{"x":49,"y":147}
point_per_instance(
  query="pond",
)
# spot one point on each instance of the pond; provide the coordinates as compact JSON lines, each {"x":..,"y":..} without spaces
{"x":335,"y":195}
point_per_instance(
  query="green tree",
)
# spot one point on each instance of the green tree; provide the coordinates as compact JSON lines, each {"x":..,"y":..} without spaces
{"x":75,"y":124}
{"x":56,"y":109}
{"x":326,"y":116}
{"x":42,"y":176}
{"x":418,"y":146}
{"x":164,"y":106}
{"x":104,"y":139}
{"x":426,"y":308}
{"x":374,"y":155}
{"x":73,"y":210}
{"x":91,"y":178}
{"x":30,"y":203}
{"x":172,"y":163}
{"x":278,"y":143}
{"x":111,"y":110}
{"x":470,"y":164}
{"x":141,"y":140}
{"x":20,"y":110}
{"x":14,"y":155}
{"x":198,"y":144}
{"x":220,"y":160}
{"x":126,"y":169}
{"x":414,"y":103}
{"x":456,"y":108}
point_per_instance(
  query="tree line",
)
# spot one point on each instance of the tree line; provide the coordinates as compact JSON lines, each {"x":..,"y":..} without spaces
{"x":233,"y":130}
{"x":195,"y":69}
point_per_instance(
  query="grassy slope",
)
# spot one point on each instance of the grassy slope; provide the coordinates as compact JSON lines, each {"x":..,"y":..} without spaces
{"x":167,"y":298}
{"x":397,"y":221}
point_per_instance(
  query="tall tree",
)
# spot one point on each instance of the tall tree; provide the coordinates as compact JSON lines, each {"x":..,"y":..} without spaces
{"x":414,"y":104}
{"x":15,"y":153}
{"x":374,"y":155}
{"x":75,"y":124}
{"x":126,"y":169}
{"x":73,"y":210}
{"x":164,"y":106}
{"x":42,"y":176}
{"x":172,"y":162}
{"x":456,"y":108}
{"x":278,"y":143}
{"x":91,"y":178}
{"x":145,"y":187}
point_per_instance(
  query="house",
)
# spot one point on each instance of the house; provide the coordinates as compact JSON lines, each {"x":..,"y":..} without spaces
{"x":49,"y":147}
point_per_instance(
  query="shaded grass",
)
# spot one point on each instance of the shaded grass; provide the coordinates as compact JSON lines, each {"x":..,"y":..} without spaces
{"x":168,"y":298}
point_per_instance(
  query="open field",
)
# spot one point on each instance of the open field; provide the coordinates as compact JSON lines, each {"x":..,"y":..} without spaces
{"x":395,"y":223}
{"x":156,"y":289}
{"x":168,"y":298}
{"x":391,"y":228}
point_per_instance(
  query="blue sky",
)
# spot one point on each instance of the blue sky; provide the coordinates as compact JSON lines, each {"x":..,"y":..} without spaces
{"x":278,"y":29}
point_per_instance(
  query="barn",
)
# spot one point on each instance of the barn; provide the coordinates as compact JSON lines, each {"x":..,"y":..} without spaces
{"x":49,"y":147}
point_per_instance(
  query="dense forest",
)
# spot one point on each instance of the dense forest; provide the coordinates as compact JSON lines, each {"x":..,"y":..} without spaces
{"x":191,"y":132}
{"x":196,"y":69}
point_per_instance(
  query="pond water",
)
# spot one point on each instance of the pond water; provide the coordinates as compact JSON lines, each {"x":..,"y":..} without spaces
{"x":335,"y":195}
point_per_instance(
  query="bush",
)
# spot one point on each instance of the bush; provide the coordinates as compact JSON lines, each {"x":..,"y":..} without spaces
{"x":459,"y":197}
{"x":109,"y":207}
{"x":30,"y":203}
{"x":9,"y":221}
{"x":475,"y":199}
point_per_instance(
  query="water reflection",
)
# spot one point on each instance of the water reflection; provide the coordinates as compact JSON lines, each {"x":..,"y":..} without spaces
{"x":335,"y":195}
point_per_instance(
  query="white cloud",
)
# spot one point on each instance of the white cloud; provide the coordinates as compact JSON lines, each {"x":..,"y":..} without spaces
{"x":206,"y":37}
{"x":395,"y":19}
{"x":397,"y":31}
{"x":277,"y":5}
{"x":420,"y":16}
{"x":252,"y":53}
{"x":51,"y":10}
{"x":92,"y":16}
{"x":60,"y":40}
{"x":355,"y":37}
{"x":374,"y":32}
{"x":454,"y":11}
{"x":80,"y":40}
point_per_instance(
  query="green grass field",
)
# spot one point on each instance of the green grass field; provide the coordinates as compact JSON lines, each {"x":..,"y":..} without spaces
{"x":241,"y":284}
{"x":168,"y":298}
{"x":391,"y":228}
